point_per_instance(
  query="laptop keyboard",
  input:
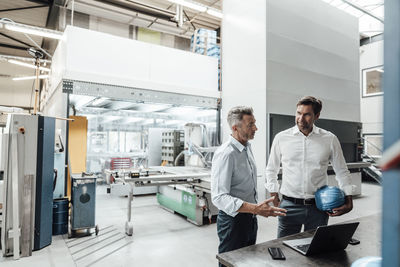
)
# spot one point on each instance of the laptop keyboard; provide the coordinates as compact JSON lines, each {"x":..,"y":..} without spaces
{"x":303,"y":248}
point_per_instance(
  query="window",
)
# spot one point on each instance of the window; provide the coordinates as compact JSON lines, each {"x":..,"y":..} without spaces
{"x":372,"y":81}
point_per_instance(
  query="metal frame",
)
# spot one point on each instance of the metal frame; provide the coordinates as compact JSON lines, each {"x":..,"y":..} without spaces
{"x":363,"y":10}
{"x":23,"y":8}
{"x":125,"y":93}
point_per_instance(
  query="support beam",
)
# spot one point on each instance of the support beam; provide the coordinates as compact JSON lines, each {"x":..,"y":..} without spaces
{"x":13,"y":46}
{"x":15,"y":39}
{"x":391,"y":179}
{"x":45,"y":2}
{"x":22,"y":8}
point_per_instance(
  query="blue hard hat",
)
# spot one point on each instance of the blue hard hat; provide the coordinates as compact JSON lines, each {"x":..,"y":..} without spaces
{"x":329,"y":197}
{"x":370,"y":261}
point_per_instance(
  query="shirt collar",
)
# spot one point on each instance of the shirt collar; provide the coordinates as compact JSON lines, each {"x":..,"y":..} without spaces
{"x":315,"y":130}
{"x":237,"y":144}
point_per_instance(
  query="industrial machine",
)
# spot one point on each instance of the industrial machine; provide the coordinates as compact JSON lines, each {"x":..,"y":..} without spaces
{"x":83,"y":202}
{"x":28,"y":162}
{"x":188,"y":187}
{"x":192,"y":200}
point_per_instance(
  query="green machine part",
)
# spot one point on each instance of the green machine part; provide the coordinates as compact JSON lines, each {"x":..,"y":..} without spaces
{"x":186,"y":206}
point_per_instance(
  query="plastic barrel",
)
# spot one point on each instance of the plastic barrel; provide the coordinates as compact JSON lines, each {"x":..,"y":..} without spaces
{"x":60,"y":216}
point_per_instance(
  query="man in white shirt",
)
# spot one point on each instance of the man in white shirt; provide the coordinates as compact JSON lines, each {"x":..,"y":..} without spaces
{"x":305,"y":152}
{"x":234,"y":185}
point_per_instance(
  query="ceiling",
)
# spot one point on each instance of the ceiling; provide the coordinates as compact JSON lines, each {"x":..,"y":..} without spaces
{"x":368,"y":25}
{"x":25,"y":12}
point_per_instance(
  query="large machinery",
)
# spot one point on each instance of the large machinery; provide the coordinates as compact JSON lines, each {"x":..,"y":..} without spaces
{"x":28,"y":162}
{"x":192,"y":200}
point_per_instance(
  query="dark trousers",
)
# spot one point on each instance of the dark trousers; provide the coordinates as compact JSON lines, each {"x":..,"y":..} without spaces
{"x":236,"y":232}
{"x":297,"y":215}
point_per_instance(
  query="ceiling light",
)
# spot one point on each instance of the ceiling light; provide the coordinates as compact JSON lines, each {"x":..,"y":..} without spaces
{"x":33,"y":30}
{"x":214,"y":13}
{"x":30,"y":77}
{"x":27,"y":65}
{"x":191,"y":5}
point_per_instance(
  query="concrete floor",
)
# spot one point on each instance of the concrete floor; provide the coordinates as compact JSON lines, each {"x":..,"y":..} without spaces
{"x":160,"y":237}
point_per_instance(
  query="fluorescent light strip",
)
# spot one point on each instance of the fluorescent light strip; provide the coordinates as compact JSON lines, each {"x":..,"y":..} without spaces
{"x":188,"y":4}
{"x":33,"y":30}
{"x":214,"y":13}
{"x":27,"y":65}
{"x":30,"y":77}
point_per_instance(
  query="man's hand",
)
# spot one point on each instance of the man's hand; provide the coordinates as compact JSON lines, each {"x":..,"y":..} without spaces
{"x":348,"y":206}
{"x":276,"y":200}
{"x":264,"y":209}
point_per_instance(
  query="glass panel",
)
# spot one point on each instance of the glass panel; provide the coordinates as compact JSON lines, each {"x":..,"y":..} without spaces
{"x":113,"y":141}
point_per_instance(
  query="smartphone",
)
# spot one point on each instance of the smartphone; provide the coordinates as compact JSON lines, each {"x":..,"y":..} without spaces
{"x":276,"y":254}
{"x":354,"y":241}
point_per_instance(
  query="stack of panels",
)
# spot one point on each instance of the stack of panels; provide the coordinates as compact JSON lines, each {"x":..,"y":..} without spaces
{"x":172,"y":144}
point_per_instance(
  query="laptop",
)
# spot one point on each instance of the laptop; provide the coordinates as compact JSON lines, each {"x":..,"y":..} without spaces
{"x":326,"y":239}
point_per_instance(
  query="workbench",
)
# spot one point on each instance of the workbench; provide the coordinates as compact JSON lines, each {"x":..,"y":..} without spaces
{"x":368,"y":232}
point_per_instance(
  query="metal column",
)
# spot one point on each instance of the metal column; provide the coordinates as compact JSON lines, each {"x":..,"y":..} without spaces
{"x":391,"y":179}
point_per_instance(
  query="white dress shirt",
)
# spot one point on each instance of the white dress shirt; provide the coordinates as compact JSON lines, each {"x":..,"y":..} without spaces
{"x":305,"y":162}
{"x":233,"y":176}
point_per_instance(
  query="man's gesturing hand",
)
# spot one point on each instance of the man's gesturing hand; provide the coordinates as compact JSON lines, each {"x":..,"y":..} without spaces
{"x":264,"y":209}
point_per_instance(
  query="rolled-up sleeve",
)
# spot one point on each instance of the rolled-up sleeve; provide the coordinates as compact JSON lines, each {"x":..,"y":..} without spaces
{"x":271,"y":172}
{"x":339,"y":166}
{"x":221,"y":178}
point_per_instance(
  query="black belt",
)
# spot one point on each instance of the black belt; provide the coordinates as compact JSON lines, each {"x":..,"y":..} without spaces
{"x":300,"y":201}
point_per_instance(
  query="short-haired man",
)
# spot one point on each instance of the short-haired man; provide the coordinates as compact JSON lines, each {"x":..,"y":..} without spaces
{"x":305,"y":151}
{"x":234,"y":185}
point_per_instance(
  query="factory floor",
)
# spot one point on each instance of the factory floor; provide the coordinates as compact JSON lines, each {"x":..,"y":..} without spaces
{"x":160,"y":238}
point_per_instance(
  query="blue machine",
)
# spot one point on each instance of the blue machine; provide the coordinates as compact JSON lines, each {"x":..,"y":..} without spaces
{"x":83,"y":203}
{"x":44,"y":182}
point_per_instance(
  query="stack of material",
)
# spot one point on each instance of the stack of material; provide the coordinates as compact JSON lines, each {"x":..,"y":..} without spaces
{"x":172,"y":145}
{"x":205,"y":42}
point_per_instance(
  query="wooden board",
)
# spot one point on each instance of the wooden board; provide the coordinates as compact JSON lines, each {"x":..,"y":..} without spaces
{"x":77,"y":146}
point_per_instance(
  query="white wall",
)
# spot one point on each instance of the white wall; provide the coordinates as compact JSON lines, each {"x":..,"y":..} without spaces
{"x":371,"y":55}
{"x":243,"y":69}
{"x":312,"y":49}
{"x":276,"y":51}
{"x":91,"y":56}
